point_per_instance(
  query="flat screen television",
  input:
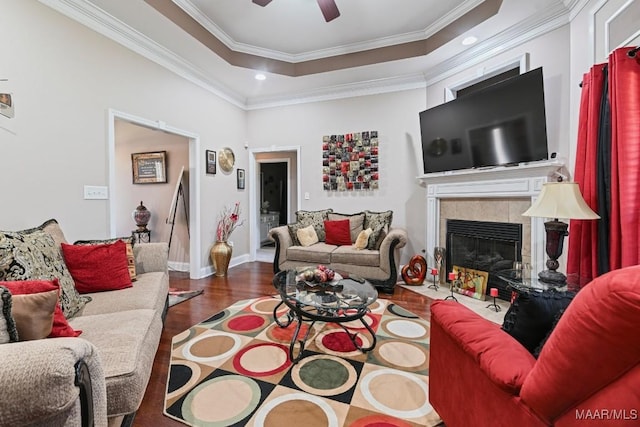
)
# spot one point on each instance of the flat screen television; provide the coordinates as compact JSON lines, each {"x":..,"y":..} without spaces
{"x":502,"y":124}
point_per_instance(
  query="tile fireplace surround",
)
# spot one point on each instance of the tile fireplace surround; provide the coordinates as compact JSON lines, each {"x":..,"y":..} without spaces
{"x":498,"y":194}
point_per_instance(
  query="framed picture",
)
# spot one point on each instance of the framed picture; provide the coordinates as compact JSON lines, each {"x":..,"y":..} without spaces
{"x":470,"y":282}
{"x":240,"y":179}
{"x":149,"y":168}
{"x":211,"y":162}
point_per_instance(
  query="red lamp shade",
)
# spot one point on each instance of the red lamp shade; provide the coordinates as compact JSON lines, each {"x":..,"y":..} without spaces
{"x":452,"y":276}
{"x":494,"y":292}
{"x":434,"y":271}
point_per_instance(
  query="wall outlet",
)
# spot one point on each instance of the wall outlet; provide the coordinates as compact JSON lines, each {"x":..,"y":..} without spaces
{"x":95,"y":192}
{"x":306,"y":196}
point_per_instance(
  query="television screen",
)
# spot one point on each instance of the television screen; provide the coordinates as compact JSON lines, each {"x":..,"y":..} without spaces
{"x":502,"y":124}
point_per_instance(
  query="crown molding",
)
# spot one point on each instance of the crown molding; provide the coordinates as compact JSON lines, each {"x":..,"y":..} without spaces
{"x":192,"y":10}
{"x":528,"y":29}
{"x":103,"y":23}
{"x":351,"y":90}
{"x":87,"y":14}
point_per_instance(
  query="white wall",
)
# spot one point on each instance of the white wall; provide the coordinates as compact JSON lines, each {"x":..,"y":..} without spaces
{"x":394,"y":116}
{"x":64,"y":78}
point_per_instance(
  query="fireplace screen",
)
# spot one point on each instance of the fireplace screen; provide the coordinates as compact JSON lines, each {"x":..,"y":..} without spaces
{"x":488,"y":247}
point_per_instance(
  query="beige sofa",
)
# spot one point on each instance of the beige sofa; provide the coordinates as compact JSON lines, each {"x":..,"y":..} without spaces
{"x":379,"y":266}
{"x":100,"y":377}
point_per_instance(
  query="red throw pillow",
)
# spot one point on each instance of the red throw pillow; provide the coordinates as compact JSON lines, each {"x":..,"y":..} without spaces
{"x":96,"y":268}
{"x":61,"y":327}
{"x":337,"y":232}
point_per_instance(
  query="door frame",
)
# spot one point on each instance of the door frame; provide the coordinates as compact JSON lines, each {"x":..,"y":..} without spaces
{"x":254,"y":193}
{"x":195,"y":251}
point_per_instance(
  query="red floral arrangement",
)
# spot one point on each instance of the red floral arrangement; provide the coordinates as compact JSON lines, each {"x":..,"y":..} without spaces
{"x":228,"y":220}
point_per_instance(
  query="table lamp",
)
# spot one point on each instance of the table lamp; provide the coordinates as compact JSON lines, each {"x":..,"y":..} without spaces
{"x":558,"y":200}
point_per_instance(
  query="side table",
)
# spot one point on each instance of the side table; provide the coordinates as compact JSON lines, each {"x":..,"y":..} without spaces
{"x":139,"y":236}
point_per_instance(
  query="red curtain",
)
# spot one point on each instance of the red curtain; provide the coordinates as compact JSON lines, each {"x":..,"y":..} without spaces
{"x":624,"y":175}
{"x":583,"y":240}
{"x":624,"y":81}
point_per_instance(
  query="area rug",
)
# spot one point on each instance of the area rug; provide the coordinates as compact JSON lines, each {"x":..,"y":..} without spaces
{"x":233,"y":369}
{"x":177,"y":296}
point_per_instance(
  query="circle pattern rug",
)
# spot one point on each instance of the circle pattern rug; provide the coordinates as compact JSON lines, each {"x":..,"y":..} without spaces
{"x":233,"y":369}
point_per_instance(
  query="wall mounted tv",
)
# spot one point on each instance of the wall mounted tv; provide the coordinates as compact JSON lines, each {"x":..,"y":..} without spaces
{"x":502,"y":124}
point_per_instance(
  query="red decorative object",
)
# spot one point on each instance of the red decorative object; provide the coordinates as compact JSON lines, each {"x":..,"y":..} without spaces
{"x":434,"y":271}
{"x":415,"y":272}
{"x":61,"y":327}
{"x":452,"y":275}
{"x":337,"y":232}
{"x":96,"y":268}
{"x":494,"y":292}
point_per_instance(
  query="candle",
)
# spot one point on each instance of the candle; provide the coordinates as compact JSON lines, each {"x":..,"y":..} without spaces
{"x":452,"y":276}
{"x":434,"y":271}
{"x":494,"y":292}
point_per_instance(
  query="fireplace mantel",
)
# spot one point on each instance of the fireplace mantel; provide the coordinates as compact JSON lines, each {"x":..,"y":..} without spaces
{"x":520,"y":181}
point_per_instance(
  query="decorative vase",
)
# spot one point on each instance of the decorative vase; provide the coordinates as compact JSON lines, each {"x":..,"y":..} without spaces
{"x":221,"y":255}
{"x":141,"y":216}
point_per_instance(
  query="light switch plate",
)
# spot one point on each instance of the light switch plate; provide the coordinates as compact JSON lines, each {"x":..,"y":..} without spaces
{"x":95,"y":192}
{"x":306,"y":196}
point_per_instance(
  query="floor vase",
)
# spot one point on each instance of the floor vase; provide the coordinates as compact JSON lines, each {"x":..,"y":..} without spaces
{"x":221,"y":255}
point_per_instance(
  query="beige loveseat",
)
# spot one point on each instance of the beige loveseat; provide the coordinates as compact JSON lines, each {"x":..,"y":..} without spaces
{"x":98,"y":378}
{"x":379,"y":263}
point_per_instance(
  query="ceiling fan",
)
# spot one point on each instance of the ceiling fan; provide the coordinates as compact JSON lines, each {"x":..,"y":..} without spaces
{"x":328,"y":8}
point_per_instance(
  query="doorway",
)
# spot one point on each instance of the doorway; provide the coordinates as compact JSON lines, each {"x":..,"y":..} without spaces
{"x":275,"y":174}
{"x":118,"y":166}
{"x":274,"y":195}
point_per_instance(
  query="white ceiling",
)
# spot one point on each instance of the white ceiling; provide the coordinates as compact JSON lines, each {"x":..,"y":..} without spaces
{"x":294,"y":31}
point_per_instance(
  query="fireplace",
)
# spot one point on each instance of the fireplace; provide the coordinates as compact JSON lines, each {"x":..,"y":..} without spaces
{"x":486,"y":246}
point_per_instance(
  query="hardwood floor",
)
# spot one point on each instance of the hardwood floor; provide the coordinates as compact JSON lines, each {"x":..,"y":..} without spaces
{"x":250,"y":280}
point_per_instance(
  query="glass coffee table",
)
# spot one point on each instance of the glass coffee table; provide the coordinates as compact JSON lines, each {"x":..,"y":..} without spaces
{"x":519,"y":284}
{"x":342,"y":300}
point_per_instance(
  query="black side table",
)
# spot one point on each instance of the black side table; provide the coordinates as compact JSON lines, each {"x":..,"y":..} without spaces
{"x":139,"y":236}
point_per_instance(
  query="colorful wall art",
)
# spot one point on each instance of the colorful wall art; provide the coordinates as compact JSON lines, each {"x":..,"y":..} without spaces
{"x":350,"y":161}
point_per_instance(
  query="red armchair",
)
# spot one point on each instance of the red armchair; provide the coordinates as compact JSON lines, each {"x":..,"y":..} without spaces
{"x":588,"y":372}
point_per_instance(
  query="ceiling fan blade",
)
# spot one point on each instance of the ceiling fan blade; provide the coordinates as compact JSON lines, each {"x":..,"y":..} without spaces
{"x":329,"y":9}
{"x":262,"y":3}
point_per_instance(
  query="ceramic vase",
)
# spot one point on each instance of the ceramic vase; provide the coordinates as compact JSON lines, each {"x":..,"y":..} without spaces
{"x":221,"y":255}
{"x":141,"y":216}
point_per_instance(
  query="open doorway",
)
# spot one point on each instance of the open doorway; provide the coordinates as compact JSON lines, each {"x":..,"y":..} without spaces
{"x":185,"y":253}
{"x":274,"y":195}
{"x":275,"y":174}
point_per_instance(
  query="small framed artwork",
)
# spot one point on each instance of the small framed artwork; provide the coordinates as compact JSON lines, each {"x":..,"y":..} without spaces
{"x":211,"y":162}
{"x":240,"y":179}
{"x":149,"y":168}
{"x":470,"y":282}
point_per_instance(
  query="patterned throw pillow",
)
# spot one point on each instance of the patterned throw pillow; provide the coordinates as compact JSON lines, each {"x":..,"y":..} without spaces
{"x":8,"y":331}
{"x":34,"y":255}
{"x":379,"y":222}
{"x":131,"y":261}
{"x":293,"y":232}
{"x":315,"y":218}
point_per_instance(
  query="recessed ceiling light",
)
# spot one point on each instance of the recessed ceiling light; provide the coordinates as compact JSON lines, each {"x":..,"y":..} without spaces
{"x":469,"y":40}
{"x":260,"y":76}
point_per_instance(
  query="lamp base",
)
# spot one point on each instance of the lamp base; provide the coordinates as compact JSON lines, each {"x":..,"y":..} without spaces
{"x":551,"y":276}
